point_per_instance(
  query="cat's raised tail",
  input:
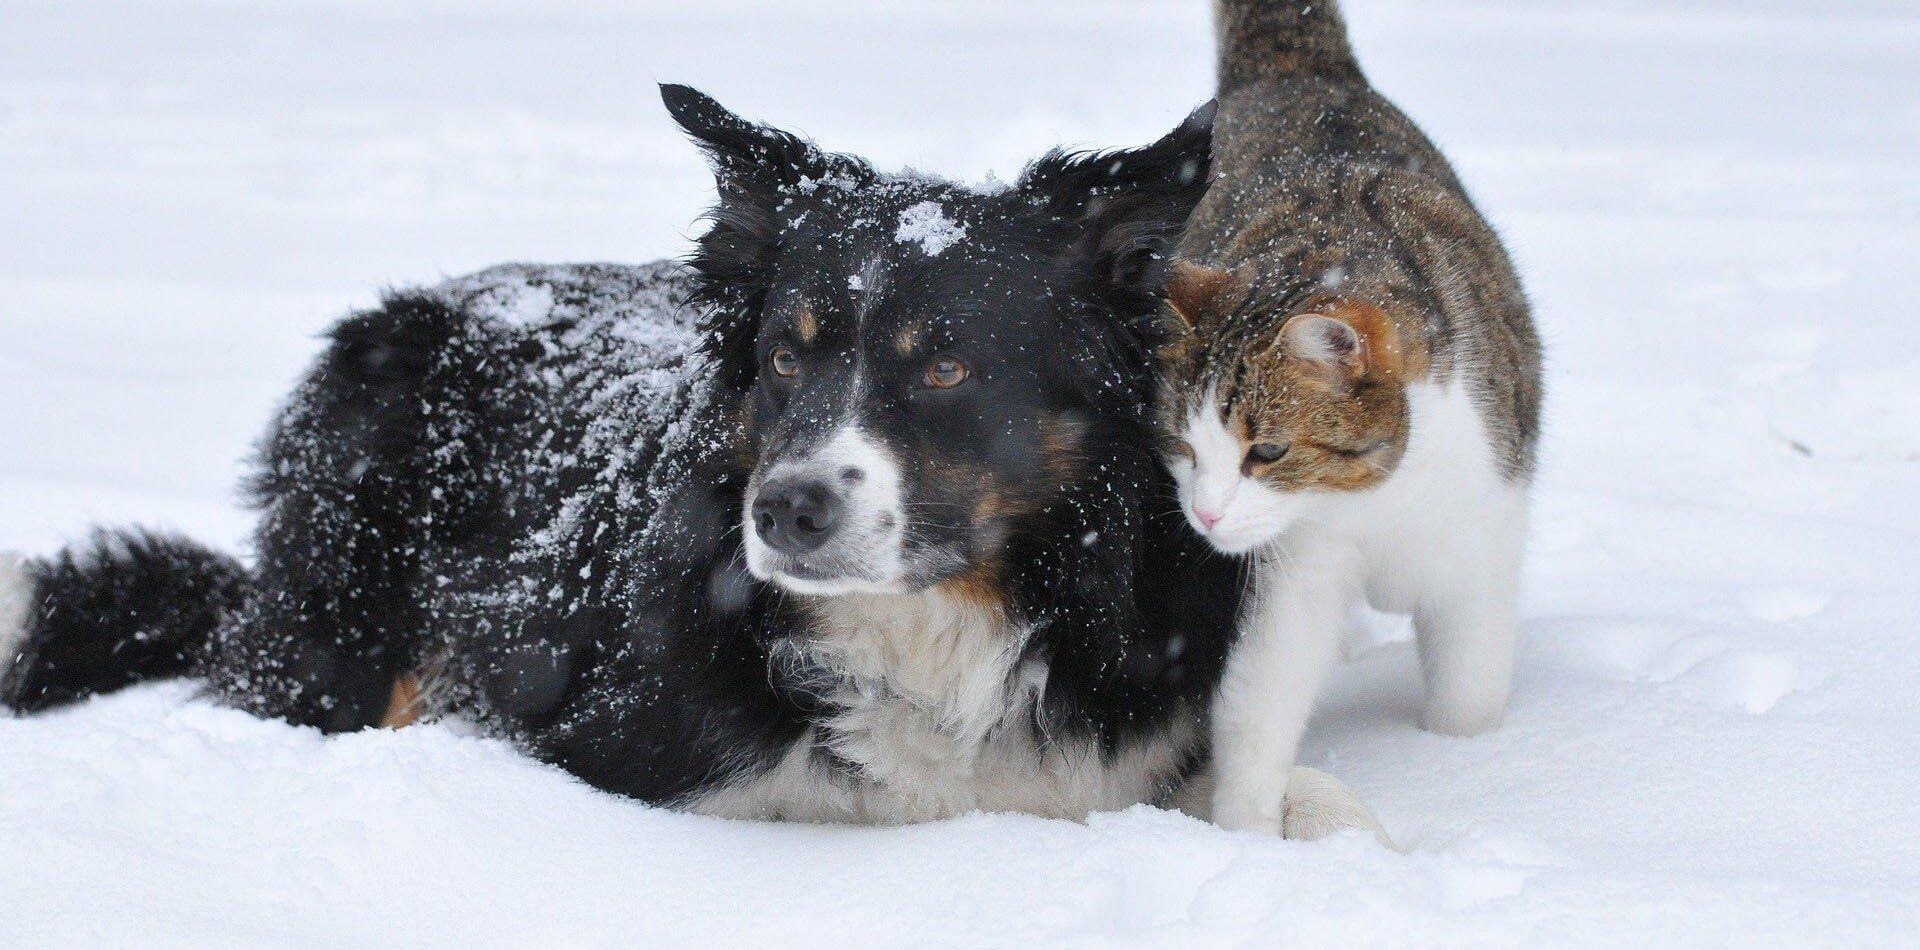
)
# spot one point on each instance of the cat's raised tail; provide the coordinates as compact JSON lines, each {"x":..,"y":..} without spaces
{"x":1264,"y":39}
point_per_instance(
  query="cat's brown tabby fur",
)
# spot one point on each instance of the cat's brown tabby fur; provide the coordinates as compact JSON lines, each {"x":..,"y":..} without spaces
{"x":1352,"y":390}
{"x":1324,"y":189}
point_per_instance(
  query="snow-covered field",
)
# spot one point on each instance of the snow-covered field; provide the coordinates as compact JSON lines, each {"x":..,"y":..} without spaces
{"x":1716,"y":205}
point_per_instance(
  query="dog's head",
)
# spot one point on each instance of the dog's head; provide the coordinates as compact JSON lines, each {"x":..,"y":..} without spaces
{"x":922,"y":366}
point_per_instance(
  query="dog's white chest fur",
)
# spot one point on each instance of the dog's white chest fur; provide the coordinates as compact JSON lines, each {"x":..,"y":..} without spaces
{"x":933,"y":715}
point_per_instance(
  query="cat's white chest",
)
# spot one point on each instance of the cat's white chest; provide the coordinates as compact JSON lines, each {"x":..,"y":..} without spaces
{"x":1443,"y":501}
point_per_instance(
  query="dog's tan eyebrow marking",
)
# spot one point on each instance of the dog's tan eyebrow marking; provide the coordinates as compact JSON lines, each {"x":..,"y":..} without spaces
{"x":805,"y":324}
{"x":910,"y":337}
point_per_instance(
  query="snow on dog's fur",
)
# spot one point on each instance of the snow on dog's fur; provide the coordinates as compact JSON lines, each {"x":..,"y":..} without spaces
{"x":857,"y":518}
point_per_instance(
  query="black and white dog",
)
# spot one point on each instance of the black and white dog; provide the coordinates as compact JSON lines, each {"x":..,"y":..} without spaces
{"x":855,"y":518}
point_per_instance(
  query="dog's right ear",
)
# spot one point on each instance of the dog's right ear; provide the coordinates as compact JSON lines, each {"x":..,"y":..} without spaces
{"x":758,"y":172}
{"x":758,"y":160}
{"x":752,"y":166}
{"x":1130,"y":206}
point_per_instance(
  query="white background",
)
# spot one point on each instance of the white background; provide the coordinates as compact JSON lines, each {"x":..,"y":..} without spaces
{"x":1716,"y":206}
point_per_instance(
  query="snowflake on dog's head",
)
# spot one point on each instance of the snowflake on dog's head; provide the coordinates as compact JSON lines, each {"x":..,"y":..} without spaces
{"x":927,"y":224}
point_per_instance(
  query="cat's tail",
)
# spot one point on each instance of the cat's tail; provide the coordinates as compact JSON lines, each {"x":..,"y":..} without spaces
{"x":124,"y":607}
{"x":1270,"y":39}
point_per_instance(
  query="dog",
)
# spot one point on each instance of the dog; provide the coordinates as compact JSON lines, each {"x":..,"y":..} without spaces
{"x":855,"y":516}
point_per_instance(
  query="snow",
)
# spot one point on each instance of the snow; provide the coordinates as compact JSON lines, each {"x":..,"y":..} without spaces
{"x":927,"y":225}
{"x":1715,"y":204}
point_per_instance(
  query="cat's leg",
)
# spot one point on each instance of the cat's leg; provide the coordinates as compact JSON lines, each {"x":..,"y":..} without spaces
{"x":1467,"y":626}
{"x":1287,"y":640}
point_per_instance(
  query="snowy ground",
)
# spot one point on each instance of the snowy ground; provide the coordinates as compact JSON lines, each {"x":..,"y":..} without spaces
{"x":1717,"y":208}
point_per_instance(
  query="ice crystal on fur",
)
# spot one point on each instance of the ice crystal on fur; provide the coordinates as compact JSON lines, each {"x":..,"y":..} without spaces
{"x":928,"y":225}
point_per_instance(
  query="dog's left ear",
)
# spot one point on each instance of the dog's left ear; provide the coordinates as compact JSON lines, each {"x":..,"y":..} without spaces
{"x":1130,"y":205}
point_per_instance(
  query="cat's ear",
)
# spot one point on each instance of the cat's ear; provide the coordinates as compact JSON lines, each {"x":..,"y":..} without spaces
{"x":1197,"y":293}
{"x":1348,"y":339}
{"x":1130,"y":206}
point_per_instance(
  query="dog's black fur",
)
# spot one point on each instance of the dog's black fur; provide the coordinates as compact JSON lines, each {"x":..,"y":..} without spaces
{"x":546,"y":516}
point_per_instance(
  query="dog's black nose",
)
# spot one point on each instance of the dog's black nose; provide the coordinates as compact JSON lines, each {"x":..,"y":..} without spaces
{"x":795,"y":517}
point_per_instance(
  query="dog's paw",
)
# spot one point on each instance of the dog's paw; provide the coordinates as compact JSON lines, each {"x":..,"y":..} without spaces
{"x":1318,"y":805}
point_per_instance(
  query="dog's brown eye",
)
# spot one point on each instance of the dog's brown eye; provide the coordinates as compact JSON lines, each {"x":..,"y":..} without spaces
{"x":1267,"y":453}
{"x":785,"y":364}
{"x":946,"y":373}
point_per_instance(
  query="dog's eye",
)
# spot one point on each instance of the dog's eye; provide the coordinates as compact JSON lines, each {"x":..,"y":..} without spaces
{"x":946,"y":373}
{"x":785,"y":364}
{"x":1266,"y":453}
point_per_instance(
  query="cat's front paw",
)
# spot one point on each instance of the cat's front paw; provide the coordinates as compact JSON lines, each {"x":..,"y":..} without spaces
{"x":1318,"y":805}
{"x":1314,"y":806}
{"x":1462,"y":719}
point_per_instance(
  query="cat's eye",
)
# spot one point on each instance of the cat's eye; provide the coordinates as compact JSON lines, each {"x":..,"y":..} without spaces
{"x":784,"y":362}
{"x":946,"y":373}
{"x":1267,"y":453}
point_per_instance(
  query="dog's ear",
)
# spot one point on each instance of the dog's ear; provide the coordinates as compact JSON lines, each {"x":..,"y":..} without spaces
{"x":1130,"y":206}
{"x":758,"y":171}
{"x":756,"y":160}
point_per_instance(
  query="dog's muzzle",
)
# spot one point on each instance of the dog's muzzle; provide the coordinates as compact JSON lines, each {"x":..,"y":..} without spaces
{"x":828,"y":520}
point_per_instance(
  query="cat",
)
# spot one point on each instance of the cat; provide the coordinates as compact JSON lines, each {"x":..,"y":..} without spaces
{"x":1351,"y":394}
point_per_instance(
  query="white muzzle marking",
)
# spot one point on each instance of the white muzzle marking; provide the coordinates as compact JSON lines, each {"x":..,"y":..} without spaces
{"x":864,"y":552}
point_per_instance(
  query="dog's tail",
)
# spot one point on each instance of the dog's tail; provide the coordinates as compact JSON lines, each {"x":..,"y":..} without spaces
{"x":125,"y":607}
{"x":1267,"y":39}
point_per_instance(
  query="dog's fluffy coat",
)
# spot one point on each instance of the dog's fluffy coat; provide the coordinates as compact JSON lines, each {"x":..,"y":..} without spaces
{"x":526,"y":487}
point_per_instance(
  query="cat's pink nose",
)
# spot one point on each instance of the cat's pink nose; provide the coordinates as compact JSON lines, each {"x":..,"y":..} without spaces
{"x":1207,"y":518}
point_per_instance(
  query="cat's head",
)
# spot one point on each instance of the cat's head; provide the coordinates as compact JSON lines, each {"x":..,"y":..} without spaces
{"x":1277,"y":399}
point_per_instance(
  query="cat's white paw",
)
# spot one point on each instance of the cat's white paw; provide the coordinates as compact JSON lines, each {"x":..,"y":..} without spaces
{"x":16,"y":598}
{"x":1315,"y":806}
{"x":1319,"y":805}
{"x":1463,"y":719}
{"x":1249,"y":812}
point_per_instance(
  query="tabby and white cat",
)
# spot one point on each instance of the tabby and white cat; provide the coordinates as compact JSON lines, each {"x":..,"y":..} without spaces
{"x":1352,"y":394}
